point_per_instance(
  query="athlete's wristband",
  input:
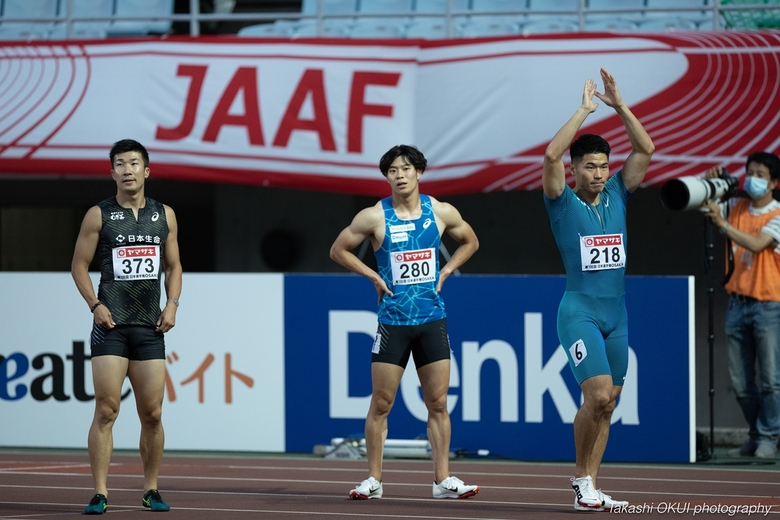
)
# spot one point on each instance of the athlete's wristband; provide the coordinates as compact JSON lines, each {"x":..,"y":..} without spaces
{"x":92,"y":309}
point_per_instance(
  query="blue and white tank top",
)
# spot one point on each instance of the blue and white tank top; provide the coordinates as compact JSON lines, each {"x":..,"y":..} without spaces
{"x":408,"y":262}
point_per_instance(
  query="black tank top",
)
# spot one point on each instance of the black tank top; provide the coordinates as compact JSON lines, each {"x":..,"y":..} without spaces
{"x":130,"y":254}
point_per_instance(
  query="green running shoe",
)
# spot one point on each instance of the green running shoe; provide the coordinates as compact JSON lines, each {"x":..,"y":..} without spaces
{"x":154,"y":501}
{"x":96,"y":506}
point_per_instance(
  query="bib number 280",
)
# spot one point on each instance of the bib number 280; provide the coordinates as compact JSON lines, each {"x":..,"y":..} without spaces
{"x":411,"y":267}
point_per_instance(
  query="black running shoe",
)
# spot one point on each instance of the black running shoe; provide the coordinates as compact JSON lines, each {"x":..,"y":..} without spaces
{"x":154,"y":501}
{"x":96,"y":506}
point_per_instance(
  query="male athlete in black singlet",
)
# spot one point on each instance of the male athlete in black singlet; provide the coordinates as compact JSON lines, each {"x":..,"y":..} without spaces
{"x":135,"y":241}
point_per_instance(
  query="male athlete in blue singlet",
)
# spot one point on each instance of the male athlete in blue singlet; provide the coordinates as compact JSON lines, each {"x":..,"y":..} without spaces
{"x":135,"y":239}
{"x":589,"y":224}
{"x":405,"y":231}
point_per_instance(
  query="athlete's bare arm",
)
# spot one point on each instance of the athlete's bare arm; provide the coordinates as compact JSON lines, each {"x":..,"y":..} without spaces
{"x":84,"y":252}
{"x":368,"y":223}
{"x":554,"y":171}
{"x":173,"y":271}
{"x":642,"y":147}
{"x":450,"y":221}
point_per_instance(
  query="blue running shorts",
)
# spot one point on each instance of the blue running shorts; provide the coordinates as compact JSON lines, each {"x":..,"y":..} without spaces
{"x":594,"y":333}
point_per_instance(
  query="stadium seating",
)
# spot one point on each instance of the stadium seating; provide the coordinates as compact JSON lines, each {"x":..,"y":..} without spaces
{"x":331,"y":28}
{"x":619,"y":10}
{"x":278,"y":29}
{"x":330,"y":7}
{"x":549,"y":25}
{"x":554,"y":6}
{"x":46,"y":19}
{"x":481,"y":26}
{"x":139,"y":8}
{"x":659,"y":9}
{"x":610,"y":25}
{"x":385,"y":6}
{"x":84,"y":29}
{"x":439,"y":6}
{"x":429,"y":28}
{"x":34,"y":19}
{"x":378,"y":28}
{"x":669,"y":23}
{"x":496,"y":6}
{"x":551,"y":16}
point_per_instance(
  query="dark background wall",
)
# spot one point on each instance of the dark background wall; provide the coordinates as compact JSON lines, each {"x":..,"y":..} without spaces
{"x":232,"y":228}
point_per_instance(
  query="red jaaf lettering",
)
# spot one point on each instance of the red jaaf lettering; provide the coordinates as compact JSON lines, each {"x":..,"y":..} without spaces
{"x":311,"y":84}
{"x":197,"y":73}
{"x":359,"y":109}
{"x":244,"y":82}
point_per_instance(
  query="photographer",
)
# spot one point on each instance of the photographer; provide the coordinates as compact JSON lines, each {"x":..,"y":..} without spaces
{"x":753,"y":315}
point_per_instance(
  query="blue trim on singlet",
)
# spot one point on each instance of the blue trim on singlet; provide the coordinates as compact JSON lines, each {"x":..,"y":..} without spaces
{"x":572,"y":217}
{"x":410,"y":304}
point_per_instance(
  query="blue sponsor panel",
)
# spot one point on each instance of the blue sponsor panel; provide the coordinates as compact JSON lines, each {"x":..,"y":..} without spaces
{"x":511,"y":390}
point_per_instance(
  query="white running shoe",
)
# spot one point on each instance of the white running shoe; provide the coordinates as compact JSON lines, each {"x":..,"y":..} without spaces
{"x":369,"y":488}
{"x":610,"y":503}
{"x":453,"y":487}
{"x":585,"y":497}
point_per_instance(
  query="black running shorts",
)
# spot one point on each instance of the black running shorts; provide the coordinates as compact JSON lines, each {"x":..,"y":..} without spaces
{"x":134,"y":342}
{"x":428,"y":342}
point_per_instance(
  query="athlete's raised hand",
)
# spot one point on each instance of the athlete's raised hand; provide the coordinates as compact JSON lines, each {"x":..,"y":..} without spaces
{"x":587,"y":96}
{"x":611,"y":96}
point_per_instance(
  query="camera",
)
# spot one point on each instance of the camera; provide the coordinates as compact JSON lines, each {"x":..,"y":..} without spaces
{"x":691,"y":192}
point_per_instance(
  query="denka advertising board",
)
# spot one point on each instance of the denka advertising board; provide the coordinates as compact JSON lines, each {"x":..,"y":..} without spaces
{"x":511,"y":390}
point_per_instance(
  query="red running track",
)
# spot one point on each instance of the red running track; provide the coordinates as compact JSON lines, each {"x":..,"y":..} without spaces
{"x":52,"y":485}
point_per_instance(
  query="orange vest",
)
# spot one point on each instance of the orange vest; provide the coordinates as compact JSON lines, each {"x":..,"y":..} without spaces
{"x":756,"y":275}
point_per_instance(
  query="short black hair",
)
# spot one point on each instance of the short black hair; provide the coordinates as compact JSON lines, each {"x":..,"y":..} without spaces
{"x":415,"y":157}
{"x":770,"y":160}
{"x":128,"y":145}
{"x":588,"y":143}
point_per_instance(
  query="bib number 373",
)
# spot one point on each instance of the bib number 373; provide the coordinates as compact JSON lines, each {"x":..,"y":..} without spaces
{"x":411,"y":267}
{"x":599,"y":252}
{"x":136,"y":262}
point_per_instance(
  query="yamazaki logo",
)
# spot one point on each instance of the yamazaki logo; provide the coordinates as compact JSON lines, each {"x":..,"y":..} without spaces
{"x":136,"y":252}
{"x":412,"y":256}
{"x":310,"y":87}
{"x":605,"y":240}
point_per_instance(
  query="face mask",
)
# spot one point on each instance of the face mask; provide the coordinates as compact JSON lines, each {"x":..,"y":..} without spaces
{"x":756,"y":187}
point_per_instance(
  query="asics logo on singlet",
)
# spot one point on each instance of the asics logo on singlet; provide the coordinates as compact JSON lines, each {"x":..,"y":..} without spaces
{"x":426,"y":223}
{"x":155,"y":217}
